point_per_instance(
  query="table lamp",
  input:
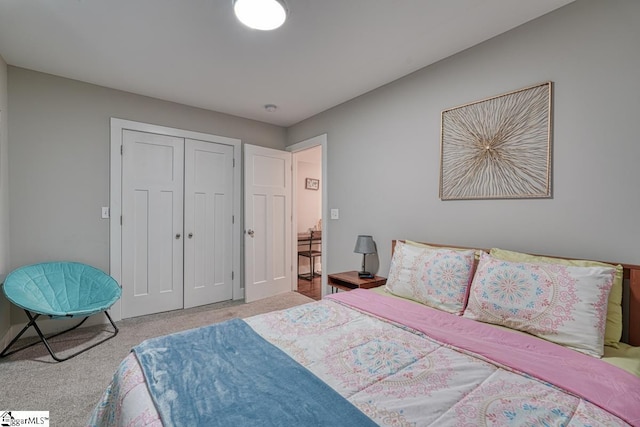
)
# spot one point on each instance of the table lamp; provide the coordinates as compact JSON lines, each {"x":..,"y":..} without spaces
{"x":364,"y":246}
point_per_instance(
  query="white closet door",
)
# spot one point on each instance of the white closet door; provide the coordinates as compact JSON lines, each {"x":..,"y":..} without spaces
{"x":208,"y":207}
{"x":152,"y":221}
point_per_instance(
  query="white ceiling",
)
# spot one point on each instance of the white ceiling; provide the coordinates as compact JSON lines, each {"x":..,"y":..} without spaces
{"x":196,"y":53}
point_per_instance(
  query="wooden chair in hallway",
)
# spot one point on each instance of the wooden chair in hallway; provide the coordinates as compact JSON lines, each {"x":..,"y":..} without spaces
{"x":305,"y":250}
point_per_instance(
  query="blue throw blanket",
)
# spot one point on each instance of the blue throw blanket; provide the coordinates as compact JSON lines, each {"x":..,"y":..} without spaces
{"x":227,"y":375}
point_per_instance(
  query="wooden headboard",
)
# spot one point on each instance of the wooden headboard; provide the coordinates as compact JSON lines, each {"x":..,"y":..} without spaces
{"x":630,"y":300}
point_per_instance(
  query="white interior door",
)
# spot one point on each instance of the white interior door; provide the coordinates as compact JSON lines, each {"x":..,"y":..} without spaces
{"x":208,"y":211}
{"x":152,"y":221}
{"x":267,"y":222}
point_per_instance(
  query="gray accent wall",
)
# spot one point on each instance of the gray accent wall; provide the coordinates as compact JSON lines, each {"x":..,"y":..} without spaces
{"x":4,"y":196}
{"x":59,"y":161}
{"x":384,"y":147}
{"x":59,"y":151}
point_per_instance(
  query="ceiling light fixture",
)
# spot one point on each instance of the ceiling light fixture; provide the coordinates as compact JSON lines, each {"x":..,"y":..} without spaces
{"x":260,"y":14}
{"x":270,"y":108}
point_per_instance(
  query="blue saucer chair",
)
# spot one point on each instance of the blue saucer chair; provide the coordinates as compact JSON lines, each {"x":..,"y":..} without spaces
{"x":60,"y":290}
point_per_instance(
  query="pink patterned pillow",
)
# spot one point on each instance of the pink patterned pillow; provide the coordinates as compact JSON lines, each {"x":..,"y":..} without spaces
{"x":435,"y":277}
{"x":563,"y":304}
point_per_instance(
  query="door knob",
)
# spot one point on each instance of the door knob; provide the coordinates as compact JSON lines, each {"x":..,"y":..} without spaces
{"x":190,"y":235}
{"x":178,"y":236}
{"x":250,"y":232}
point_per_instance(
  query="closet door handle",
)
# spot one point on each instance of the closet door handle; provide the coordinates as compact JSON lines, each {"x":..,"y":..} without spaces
{"x":190,"y":235}
{"x":250,"y":232}
{"x":178,"y":236}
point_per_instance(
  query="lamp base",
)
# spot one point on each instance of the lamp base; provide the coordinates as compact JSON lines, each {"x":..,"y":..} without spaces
{"x":365,"y":275}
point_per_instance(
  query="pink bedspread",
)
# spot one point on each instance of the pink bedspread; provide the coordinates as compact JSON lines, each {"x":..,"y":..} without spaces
{"x":611,"y":388}
{"x":405,"y":365}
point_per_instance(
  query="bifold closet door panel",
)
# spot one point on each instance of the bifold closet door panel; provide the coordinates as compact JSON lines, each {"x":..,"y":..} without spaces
{"x":152,"y":223}
{"x":208,"y":223}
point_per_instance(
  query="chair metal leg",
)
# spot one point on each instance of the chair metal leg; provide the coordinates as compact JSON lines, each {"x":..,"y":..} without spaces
{"x":305,"y":276}
{"x":17,"y":337}
{"x":32,"y":322}
{"x":312,"y":269}
{"x":312,"y":265}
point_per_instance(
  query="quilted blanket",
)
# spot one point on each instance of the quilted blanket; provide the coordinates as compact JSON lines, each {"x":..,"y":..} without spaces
{"x":407,"y":365}
{"x":399,"y":375}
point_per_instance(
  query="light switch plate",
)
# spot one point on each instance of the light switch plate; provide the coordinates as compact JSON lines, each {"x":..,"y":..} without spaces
{"x":105,"y":212}
{"x":335,"y":214}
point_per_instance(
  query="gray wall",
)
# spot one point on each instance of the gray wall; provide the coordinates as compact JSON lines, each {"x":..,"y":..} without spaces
{"x":59,"y":151}
{"x":4,"y":196}
{"x":59,"y":169}
{"x":383,"y":147}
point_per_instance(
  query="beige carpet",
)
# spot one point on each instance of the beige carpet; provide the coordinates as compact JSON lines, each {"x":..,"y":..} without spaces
{"x":31,"y":380}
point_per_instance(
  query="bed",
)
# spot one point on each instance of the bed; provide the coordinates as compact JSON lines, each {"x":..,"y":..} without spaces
{"x":457,"y":336}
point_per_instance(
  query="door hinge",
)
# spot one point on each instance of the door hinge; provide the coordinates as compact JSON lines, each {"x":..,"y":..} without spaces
{"x":232,"y":275}
{"x":121,"y":150}
{"x":233,"y":219}
{"x":120,"y":219}
{"x":234,"y":162}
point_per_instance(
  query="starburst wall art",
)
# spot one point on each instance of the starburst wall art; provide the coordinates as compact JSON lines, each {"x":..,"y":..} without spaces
{"x":498,"y":148}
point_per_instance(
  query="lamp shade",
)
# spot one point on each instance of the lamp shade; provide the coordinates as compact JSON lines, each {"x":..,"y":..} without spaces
{"x":365,"y":245}
{"x":260,"y":14}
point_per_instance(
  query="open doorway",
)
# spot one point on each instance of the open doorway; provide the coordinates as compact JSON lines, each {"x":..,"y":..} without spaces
{"x":309,"y":195}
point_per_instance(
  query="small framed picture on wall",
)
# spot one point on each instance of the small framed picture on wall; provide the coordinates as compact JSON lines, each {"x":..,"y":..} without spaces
{"x":312,"y":184}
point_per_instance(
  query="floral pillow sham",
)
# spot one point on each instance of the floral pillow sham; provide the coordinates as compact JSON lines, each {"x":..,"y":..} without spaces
{"x":613,"y":328}
{"x":435,"y":277}
{"x":563,"y":304}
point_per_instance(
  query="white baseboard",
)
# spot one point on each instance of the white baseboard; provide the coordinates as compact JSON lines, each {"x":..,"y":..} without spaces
{"x":6,"y":339}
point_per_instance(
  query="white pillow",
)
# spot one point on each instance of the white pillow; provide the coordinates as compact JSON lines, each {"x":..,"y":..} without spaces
{"x":435,"y":277}
{"x":563,"y":304}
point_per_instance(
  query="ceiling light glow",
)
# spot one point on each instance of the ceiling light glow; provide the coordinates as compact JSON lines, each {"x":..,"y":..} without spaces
{"x":260,"y":14}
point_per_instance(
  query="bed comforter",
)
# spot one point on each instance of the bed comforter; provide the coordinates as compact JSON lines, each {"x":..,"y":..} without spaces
{"x":407,"y":365}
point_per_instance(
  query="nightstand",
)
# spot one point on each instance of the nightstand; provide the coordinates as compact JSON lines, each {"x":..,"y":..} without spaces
{"x":349,"y":280}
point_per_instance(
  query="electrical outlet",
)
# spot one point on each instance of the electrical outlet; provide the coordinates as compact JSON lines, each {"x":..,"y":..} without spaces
{"x":335,"y":214}
{"x":105,"y":212}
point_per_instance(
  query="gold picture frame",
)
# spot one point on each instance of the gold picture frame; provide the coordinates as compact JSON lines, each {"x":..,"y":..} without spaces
{"x":498,"y":148}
